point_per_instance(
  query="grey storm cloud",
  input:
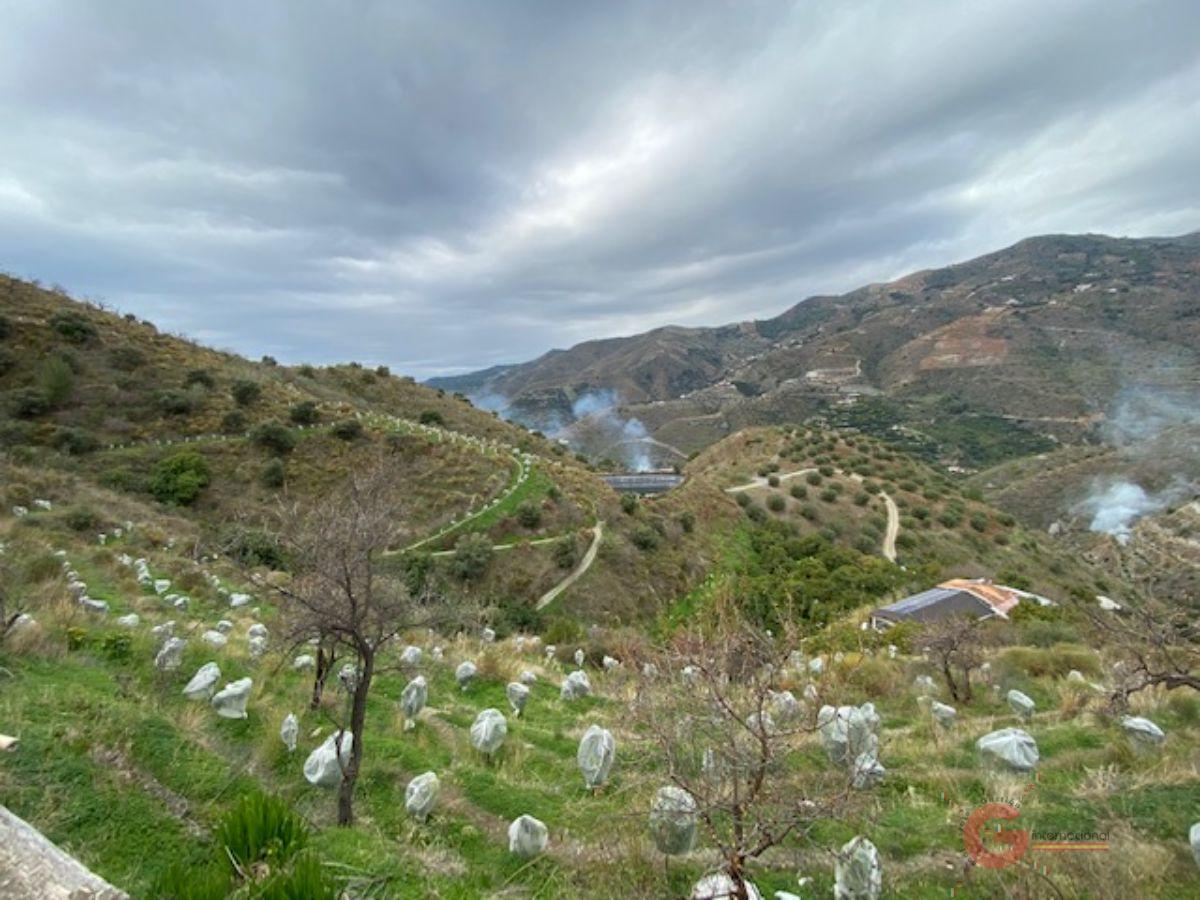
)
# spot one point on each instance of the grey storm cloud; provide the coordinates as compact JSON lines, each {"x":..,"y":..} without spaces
{"x":444,"y":186}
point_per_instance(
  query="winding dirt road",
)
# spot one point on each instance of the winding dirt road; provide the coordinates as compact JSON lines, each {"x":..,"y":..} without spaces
{"x":893,"y":529}
{"x":579,"y":570}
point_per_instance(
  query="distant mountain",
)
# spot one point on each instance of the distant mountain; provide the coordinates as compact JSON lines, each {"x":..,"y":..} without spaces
{"x":1044,"y":336}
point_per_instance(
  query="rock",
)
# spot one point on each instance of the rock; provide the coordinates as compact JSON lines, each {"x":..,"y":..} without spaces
{"x":943,"y":714}
{"x":224,"y":626}
{"x":1107,"y":603}
{"x":258,"y":646}
{"x":1021,"y":704}
{"x":411,"y":655}
{"x":858,"y":873}
{"x":413,"y":699}
{"x":575,"y":686}
{"x":23,"y":622}
{"x":1009,"y":747}
{"x":517,"y":694}
{"x":597,"y":750}
{"x":99,"y":607}
{"x":673,"y":819}
{"x":527,"y":837}
{"x":214,"y":639}
{"x":848,"y":732}
{"x":203,"y":683}
{"x":230,"y":701}
{"x":488,"y":731}
{"x":289,"y":732}
{"x":304,"y":661}
{"x":785,"y":708}
{"x":465,"y":674}
{"x":130,"y":621}
{"x":237,"y":600}
{"x":421,"y":795}
{"x":689,"y":674}
{"x":551,"y":649}
{"x":816,"y":665}
{"x":170,"y":657}
{"x":161,"y":585}
{"x":649,"y":670}
{"x":324,"y":765}
{"x":1144,"y":736}
{"x":720,"y":886}
{"x":1076,"y":677}
{"x":163,"y":632}
{"x":796,"y":661}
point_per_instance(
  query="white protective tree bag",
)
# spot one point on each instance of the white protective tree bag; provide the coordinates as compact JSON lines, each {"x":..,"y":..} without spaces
{"x":323,"y":766}
{"x":488,"y":731}
{"x":1010,"y":748}
{"x":203,"y":683}
{"x":289,"y":732}
{"x":230,"y":701}
{"x":421,"y":796}
{"x":858,"y":873}
{"x":527,"y":837}
{"x":597,"y":750}
{"x":413,"y":699}
{"x":673,"y":821}
{"x":517,"y":694}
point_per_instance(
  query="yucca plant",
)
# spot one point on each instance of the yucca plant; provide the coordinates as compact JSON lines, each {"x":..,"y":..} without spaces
{"x":260,"y":830}
{"x":305,"y":879}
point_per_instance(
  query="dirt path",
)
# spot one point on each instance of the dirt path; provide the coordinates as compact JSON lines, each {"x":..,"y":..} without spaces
{"x":578,"y":572}
{"x":762,"y":481}
{"x":893,"y":528}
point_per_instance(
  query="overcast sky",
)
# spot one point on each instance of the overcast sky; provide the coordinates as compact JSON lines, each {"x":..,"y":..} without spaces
{"x":443,"y":186}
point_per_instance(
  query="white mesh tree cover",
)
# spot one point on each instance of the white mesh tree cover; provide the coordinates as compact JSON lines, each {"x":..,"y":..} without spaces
{"x":488,"y":731}
{"x":527,"y":677}
{"x":1021,"y":704}
{"x":1144,"y":736}
{"x":324,"y":765}
{"x":858,"y":873}
{"x":289,"y":732}
{"x":866,"y":772}
{"x":413,"y":699}
{"x":162,"y":633}
{"x":785,"y":708}
{"x":924,"y":686}
{"x":411,"y":655}
{"x":230,"y":701}
{"x":214,"y":639}
{"x":847,"y":732}
{"x":203,"y":683}
{"x":488,"y":636}
{"x":597,"y":750}
{"x":421,"y":795}
{"x":348,"y":677}
{"x":258,"y":646}
{"x":576,"y":685}
{"x":610,"y":663}
{"x":170,"y":657}
{"x":257,"y":630}
{"x":527,"y":837}
{"x":465,"y":674}
{"x":1009,"y":748}
{"x":130,"y":621}
{"x":517,"y":694}
{"x":673,"y":820}
{"x":719,"y":886}
{"x":224,"y":626}
{"x":580,"y":656}
{"x":304,"y":661}
{"x":943,"y":714}
{"x":1194,"y":840}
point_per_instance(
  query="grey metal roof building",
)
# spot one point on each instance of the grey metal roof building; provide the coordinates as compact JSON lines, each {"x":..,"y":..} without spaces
{"x":931,"y":605}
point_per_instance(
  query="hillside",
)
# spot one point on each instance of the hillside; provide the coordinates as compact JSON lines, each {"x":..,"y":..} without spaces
{"x":989,"y":359}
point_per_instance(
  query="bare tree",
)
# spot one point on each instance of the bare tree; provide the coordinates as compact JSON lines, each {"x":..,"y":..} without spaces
{"x":339,"y":597}
{"x":1156,"y":644}
{"x":710,"y":706}
{"x":956,"y":647}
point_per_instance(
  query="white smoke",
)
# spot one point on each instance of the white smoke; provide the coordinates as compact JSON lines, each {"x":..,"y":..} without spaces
{"x":1115,"y":507}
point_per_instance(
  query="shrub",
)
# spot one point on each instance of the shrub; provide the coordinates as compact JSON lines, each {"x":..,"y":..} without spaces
{"x":272,"y":475}
{"x":920,"y":512}
{"x":813,"y":478}
{"x":809,"y":512}
{"x":73,"y":326}
{"x":629,"y":504}
{"x":304,"y":413}
{"x":979,"y":521}
{"x":431,"y":417}
{"x":307,"y":371}
{"x":117,"y":647}
{"x":74,"y":441}
{"x":827,"y":471}
{"x":773,"y":480}
{"x":644,"y":537}
{"x":4,"y":327}
{"x":347,"y":429}
{"x":743,"y":499}
{"x":245,"y":392}
{"x":383,"y":371}
{"x":180,"y":478}
{"x":253,"y":547}
{"x":529,"y":514}
{"x":29,"y":403}
{"x":687,"y":521}
{"x":1055,"y":661}
{"x":862,"y":498}
{"x":126,"y":358}
{"x":269,"y":361}
{"x":566,"y":554}
{"x":829,"y":495}
{"x":233,"y":422}
{"x":950,"y":518}
{"x":799,"y":491}
{"x":756,"y":513}
{"x":8,"y":362}
{"x":776,"y":503}
{"x":81,"y":518}
{"x":274,"y":436}
{"x":199,"y":378}
{"x":472,"y":554}
{"x":176,"y":403}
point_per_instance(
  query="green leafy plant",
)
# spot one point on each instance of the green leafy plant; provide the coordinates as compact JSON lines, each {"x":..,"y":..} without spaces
{"x":73,"y":326}
{"x":245,"y":392}
{"x":274,"y":436}
{"x":260,"y":828}
{"x":347,"y":429}
{"x":304,"y":413}
{"x":180,"y":478}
